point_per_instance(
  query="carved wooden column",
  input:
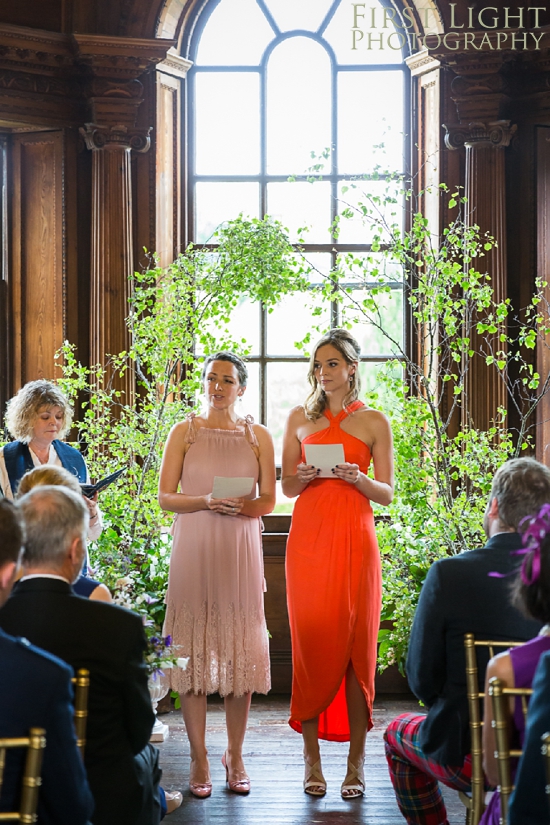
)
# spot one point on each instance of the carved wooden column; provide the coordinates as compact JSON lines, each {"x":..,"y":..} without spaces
{"x":486,"y":207}
{"x":112,"y":246}
{"x":480,"y":93}
{"x":113,"y":66}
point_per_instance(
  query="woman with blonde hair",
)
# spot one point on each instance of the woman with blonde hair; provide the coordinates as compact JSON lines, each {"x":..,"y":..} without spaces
{"x":58,"y":476}
{"x":39,"y":417}
{"x":333,"y":564}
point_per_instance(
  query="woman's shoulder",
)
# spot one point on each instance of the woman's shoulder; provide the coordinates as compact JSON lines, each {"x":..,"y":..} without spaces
{"x":370,"y":414}
{"x":262,"y":433}
{"x":374,"y":420}
{"x":298,"y":414}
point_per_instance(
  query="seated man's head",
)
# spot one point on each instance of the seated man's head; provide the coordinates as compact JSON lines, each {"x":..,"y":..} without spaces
{"x":11,"y":545}
{"x":56,"y":523}
{"x":520,"y":488}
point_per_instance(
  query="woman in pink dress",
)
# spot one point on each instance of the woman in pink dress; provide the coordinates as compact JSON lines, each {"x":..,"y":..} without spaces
{"x":215,"y":610}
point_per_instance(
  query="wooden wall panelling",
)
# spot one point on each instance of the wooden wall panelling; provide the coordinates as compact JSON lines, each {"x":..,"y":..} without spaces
{"x":168,"y":168}
{"x":170,"y":79}
{"x":543,"y":271}
{"x":74,"y":299}
{"x":38,"y":254}
{"x":5,"y":314}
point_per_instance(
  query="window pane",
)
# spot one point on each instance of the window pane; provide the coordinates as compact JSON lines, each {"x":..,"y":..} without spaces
{"x":364,"y":269}
{"x":228,"y":41}
{"x":299,"y":204}
{"x":370,"y":381}
{"x":292,"y":319}
{"x":250,"y":404}
{"x":300,"y":14}
{"x":227,"y":137}
{"x":287,"y":387}
{"x":390,"y":316}
{"x":377,"y":45}
{"x":243,"y":326}
{"x":370,"y":133}
{"x":320,"y":263}
{"x":298,"y":105}
{"x":354,"y":228}
{"x":219,"y":202}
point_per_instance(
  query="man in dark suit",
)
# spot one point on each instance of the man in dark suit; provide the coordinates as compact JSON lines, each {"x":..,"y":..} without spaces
{"x":35,"y":692}
{"x":529,"y":801}
{"x":459,"y":596}
{"x":109,"y":641}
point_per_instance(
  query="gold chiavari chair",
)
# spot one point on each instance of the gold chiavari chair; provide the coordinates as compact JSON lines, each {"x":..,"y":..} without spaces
{"x":502,"y":725}
{"x":475,"y":800}
{"x":35,"y":743}
{"x":82,"y":684}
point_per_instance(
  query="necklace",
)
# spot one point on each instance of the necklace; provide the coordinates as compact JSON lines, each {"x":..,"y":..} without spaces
{"x":545,"y":631}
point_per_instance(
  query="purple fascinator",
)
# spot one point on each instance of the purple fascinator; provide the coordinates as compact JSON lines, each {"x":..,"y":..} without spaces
{"x":534,"y":531}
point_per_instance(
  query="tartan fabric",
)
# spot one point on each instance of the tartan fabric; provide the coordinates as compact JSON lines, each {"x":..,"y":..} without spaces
{"x":415,"y":777}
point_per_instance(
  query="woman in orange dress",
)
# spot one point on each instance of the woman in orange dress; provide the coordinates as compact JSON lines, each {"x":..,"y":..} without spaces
{"x":333,"y":565}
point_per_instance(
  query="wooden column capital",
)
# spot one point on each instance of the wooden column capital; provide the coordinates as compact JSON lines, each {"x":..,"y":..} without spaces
{"x":496,"y":134}
{"x":118,"y":136}
{"x":112,"y":67}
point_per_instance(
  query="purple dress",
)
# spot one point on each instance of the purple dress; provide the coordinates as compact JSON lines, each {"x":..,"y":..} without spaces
{"x":525,"y":659}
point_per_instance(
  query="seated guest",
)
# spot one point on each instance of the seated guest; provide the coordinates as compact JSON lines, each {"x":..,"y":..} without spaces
{"x":109,"y":641}
{"x":529,"y":801}
{"x":38,"y":417}
{"x":50,"y":474}
{"x":36,"y":692}
{"x":516,"y":667}
{"x":459,"y":597}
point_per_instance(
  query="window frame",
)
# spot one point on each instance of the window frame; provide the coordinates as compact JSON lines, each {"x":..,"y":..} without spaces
{"x":263,"y":178}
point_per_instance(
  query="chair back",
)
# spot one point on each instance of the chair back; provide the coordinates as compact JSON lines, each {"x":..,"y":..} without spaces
{"x":35,"y":743}
{"x":502,"y":724}
{"x":82,"y":685}
{"x":545,"y":748}
{"x":475,"y":803}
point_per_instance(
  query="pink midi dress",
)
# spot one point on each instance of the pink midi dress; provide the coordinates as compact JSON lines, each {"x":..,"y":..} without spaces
{"x":215,"y":601}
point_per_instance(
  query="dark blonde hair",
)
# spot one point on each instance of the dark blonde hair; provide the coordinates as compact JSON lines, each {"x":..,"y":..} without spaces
{"x":51,"y":475}
{"x":350,"y":350}
{"x":24,"y":408}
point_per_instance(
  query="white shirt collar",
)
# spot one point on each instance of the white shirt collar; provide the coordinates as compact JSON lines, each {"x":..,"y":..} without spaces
{"x":44,"y":576}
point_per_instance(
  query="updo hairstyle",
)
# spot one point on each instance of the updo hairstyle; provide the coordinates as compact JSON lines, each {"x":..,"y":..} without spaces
{"x":350,"y":350}
{"x":230,"y":357}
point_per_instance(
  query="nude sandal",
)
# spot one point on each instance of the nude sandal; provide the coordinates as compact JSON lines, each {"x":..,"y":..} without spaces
{"x":314,"y":781}
{"x":353,"y":785}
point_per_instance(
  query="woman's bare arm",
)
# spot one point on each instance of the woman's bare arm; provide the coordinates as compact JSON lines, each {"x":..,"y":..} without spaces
{"x":170,"y":474}
{"x":265,"y":502}
{"x":292,"y":457}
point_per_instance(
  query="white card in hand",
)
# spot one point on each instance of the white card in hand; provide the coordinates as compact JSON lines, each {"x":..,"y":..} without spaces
{"x":325,"y":457}
{"x":227,"y":487}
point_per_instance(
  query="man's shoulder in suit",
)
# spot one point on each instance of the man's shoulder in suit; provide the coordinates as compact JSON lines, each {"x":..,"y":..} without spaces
{"x":17,"y":652}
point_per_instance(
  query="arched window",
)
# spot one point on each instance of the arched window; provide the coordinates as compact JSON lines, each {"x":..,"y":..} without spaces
{"x":272,"y":82}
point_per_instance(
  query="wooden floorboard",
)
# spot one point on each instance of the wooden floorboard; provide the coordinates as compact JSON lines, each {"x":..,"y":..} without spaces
{"x":274,"y":762}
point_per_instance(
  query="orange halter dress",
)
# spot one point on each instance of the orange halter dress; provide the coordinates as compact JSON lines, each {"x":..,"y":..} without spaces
{"x":334,"y":590}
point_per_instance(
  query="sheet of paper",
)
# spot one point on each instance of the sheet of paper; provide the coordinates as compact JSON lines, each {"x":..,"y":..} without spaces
{"x":227,"y":487}
{"x":325,"y":457}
